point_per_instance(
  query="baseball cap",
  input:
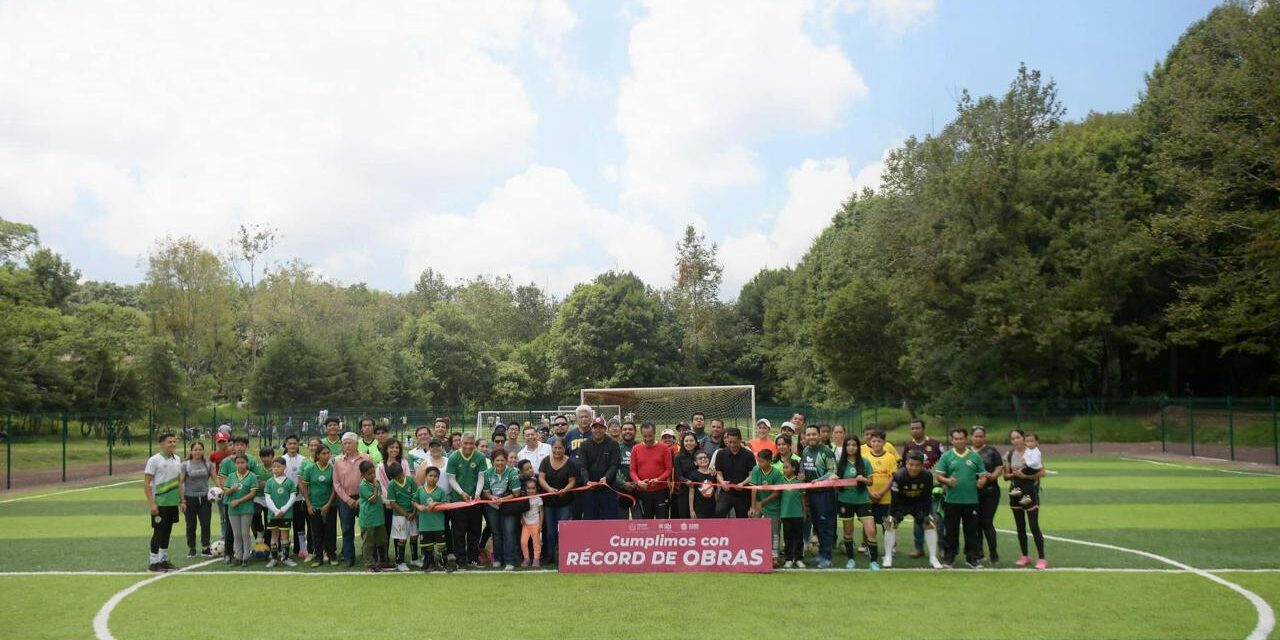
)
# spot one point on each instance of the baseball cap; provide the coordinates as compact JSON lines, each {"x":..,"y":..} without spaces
{"x":765,"y":422}
{"x":597,"y":422}
{"x":787,"y":426}
{"x":221,"y":437}
{"x":668,"y":432}
{"x":680,"y":426}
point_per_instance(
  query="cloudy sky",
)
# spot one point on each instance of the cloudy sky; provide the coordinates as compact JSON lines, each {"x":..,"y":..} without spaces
{"x":547,"y":139}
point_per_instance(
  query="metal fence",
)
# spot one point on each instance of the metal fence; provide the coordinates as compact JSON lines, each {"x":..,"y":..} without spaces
{"x":48,"y":448}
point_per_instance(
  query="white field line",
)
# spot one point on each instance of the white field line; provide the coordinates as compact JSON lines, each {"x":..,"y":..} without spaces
{"x":58,"y":493}
{"x":1202,"y":468}
{"x":1266,"y":616}
{"x":104,"y":614}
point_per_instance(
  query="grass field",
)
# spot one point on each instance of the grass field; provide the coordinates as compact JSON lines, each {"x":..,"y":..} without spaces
{"x":68,"y":553}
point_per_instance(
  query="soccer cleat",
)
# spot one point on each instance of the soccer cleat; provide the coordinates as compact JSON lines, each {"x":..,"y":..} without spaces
{"x":155,"y":566}
{"x":1022,"y":561}
{"x":1026,"y":501}
{"x":888,"y":562}
{"x":1015,"y":492}
{"x":167,"y":566}
{"x":873,"y":566}
{"x":1042,"y":564}
{"x":933,"y":562}
{"x":191,"y":552}
{"x":850,"y":564}
{"x":402,"y":567}
{"x":272,"y":562}
{"x":289,"y":563}
{"x":314,"y":564}
{"x":333,"y":562}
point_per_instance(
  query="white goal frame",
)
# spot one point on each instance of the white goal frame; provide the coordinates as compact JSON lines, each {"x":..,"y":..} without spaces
{"x":582,"y":394}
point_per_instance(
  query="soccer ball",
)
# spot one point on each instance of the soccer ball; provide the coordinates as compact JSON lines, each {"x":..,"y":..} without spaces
{"x":217,"y":548}
{"x":215,"y":494}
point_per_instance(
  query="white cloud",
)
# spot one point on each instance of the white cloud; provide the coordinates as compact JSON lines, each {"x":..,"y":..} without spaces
{"x":897,"y":16}
{"x":708,"y":81}
{"x":325,"y":119}
{"x":815,"y":192}
{"x":539,"y":226}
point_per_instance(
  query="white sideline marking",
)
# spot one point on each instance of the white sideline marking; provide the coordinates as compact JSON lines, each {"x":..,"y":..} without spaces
{"x":100,"y":620}
{"x":58,"y":493}
{"x":1202,"y":468}
{"x":1266,"y":616}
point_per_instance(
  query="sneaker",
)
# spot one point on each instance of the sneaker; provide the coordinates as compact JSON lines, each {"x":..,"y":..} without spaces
{"x":206,"y":553}
{"x":824,"y":564}
{"x":850,"y":564}
{"x":496,"y":564}
{"x":191,"y":552}
{"x":333,"y":562}
{"x":935,"y":563}
{"x":419,"y":562}
{"x":862,"y":548}
{"x":402,"y":567}
{"x":155,"y":566}
{"x":888,"y":562}
{"x":314,"y":564}
{"x":1042,"y":564}
{"x":918,"y":553}
{"x":510,"y":567}
{"x":873,"y":566}
{"x":1026,"y":501}
{"x":1015,"y":492}
{"x":449,"y":568}
{"x":973,"y":564}
{"x":289,"y":563}
{"x":168,"y":566}
{"x":272,"y":562}
{"x":1022,"y":561}
{"x":995,"y":559}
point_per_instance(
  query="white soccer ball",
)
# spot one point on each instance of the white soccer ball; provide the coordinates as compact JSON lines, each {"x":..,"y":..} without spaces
{"x":217,"y":548}
{"x":215,"y":494}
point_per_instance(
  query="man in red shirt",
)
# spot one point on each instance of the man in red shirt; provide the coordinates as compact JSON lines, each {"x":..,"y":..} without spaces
{"x":651,"y":466}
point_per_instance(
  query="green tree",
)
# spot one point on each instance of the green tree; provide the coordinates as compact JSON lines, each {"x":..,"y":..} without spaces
{"x":457,"y":368}
{"x":694,"y":300}
{"x":295,"y":371}
{"x":53,"y":276}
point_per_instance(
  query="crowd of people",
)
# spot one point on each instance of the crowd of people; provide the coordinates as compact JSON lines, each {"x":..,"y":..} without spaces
{"x":450,"y":501}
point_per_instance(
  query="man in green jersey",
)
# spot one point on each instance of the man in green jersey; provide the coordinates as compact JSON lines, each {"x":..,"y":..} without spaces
{"x":767,"y":503}
{"x":315,"y":483}
{"x":332,"y":439}
{"x":465,"y":471}
{"x":961,"y":470}
{"x":818,"y":462}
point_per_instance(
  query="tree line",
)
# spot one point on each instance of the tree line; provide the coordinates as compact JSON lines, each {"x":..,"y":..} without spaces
{"x":1013,"y":253}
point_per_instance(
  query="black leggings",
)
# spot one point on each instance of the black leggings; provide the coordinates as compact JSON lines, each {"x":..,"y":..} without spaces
{"x":988,"y":503}
{"x":324,"y":534}
{"x":198,"y":511}
{"x":162,"y":528}
{"x":793,"y":545}
{"x":1021,"y":518}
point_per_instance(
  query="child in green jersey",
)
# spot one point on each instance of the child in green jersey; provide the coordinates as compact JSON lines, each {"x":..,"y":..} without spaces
{"x":791,"y":512}
{"x":373,"y":528}
{"x":400,"y":490}
{"x":431,"y":521}
{"x":280,"y":494}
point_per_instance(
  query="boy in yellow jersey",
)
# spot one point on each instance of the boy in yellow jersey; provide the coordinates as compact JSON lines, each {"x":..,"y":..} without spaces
{"x":884,"y":461}
{"x":867,"y":432}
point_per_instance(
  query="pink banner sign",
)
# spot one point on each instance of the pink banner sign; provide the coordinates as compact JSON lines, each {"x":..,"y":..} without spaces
{"x":645,"y":546}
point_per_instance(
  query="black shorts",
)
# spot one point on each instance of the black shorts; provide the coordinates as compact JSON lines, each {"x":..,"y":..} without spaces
{"x":853,"y":510}
{"x":918,"y":512}
{"x":279,"y":523}
{"x":167,"y":515}
{"x":880,"y":511}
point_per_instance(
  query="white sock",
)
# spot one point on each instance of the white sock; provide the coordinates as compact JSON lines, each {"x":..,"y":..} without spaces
{"x":155,"y":557}
{"x":164,"y":555}
{"x":931,"y":542}
{"x":889,"y":536}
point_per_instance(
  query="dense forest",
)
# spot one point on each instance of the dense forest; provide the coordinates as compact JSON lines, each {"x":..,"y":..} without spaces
{"x":1014,"y":253}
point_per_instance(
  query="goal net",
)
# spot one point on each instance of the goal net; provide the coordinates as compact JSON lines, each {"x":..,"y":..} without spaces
{"x":487,"y":420}
{"x":605,"y":411}
{"x":667,"y":406}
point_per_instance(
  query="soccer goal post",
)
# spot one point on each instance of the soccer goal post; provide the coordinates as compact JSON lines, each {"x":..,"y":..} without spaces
{"x":667,"y":406}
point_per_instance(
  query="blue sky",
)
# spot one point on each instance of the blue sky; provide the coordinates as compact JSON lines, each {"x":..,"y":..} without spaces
{"x":542,"y":138}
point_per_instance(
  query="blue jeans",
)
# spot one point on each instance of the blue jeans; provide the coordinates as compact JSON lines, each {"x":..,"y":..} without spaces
{"x":347,"y":520}
{"x":552,"y":533}
{"x":600,"y":505}
{"x":505,"y":529}
{"x":822,"y":512}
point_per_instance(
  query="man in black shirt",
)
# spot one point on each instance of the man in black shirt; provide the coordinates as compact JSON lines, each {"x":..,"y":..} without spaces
{"x":912,"y":489}
{"x":989,"y":494}
{"x":599,"y":456}
{"x":732,"y":464}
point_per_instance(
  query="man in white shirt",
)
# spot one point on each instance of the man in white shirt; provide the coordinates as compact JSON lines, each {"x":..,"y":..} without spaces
{"x":161,"y":486}
{"x":534,"y":450}
{"x":292,"y":465}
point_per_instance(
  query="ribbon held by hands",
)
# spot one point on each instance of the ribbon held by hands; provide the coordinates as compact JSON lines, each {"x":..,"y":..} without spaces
{"x":450,"y":506}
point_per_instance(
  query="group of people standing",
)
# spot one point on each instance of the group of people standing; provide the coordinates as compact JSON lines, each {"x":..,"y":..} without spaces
{"x":454,"y":501}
